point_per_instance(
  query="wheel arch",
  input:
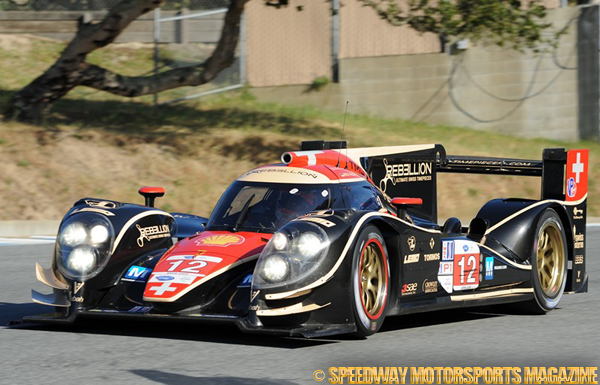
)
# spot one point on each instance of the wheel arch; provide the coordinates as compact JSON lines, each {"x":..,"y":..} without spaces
{"x":566,"y":222}
{"x":391,"y":238}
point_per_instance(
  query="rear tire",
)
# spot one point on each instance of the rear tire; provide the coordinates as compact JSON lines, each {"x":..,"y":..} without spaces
{"x":549,"y":264}
{"x":370,"y":281}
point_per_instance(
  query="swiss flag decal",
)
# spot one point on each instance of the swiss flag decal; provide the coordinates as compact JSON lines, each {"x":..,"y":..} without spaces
{"x":576,"y":181}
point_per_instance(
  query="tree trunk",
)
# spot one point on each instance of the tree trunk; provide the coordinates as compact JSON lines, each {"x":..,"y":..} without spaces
{"x":33,"y":102}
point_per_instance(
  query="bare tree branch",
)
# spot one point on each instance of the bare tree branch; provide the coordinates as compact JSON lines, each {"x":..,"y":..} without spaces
{"x":33,"y":102}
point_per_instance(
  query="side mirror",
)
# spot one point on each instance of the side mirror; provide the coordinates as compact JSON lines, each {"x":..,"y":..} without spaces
{"x":401,"y":204}
{"x":150,"y":194}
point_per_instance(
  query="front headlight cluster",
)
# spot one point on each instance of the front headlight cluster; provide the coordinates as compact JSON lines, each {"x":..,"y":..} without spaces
{"x":292,"y":254}
{"x":84,"y":245}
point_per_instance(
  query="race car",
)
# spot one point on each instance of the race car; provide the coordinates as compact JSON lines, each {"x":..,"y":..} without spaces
{"x":332,"y":240}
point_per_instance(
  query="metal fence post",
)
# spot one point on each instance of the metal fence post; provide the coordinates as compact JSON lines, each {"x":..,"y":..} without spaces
{"x":156,"y":41}
{"x":335,"y":40}
{"x":243,"y":50}
{"x":588,"y":72}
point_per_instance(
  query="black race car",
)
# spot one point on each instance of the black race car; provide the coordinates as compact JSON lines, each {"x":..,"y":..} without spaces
{"x":332,"y":240}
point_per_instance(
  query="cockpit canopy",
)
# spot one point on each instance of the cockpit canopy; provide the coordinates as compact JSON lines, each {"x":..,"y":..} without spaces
{"x":265,"y":207}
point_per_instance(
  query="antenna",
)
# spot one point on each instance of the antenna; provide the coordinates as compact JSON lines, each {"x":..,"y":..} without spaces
{"x":342,"y":139}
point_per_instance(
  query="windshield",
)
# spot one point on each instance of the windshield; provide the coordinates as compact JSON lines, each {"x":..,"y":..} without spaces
{"x":251,"y":206}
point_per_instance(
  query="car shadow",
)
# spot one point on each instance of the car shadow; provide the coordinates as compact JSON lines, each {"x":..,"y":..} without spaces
{"x":229,"y":334}
{"x":175,"y":379}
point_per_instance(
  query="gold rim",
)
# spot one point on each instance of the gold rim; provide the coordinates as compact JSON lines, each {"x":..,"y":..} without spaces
{"x":550,"y":259}
{"x":372,"y":279}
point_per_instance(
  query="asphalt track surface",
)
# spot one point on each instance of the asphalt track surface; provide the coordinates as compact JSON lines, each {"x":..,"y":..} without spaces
{"x":169,"y":353}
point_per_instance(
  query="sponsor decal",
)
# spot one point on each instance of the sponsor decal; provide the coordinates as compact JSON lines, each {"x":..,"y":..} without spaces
{"x":447,"y":250}
{"x":466,"y":266}
{"x":431,"y":257}
{"x":411,"y":258}
{"x":77,"y":299}
{"x":431,"y":243}
{"x":140,"y":309}
{"x":430,"y":286}
{"x":137,"y":274}
{"x":284,"y":170}
{"x":409,"y":288}
{"x":254,"y":308}
{"x":571,"y":187}
{"x":94,"y":210}
{"x":253,"y":295}
{"x":579,"y":239}
{"x":577,"y":214}
{"x":77,"y":286}
{"x":101,"y":204}
{"x":246,"y":282}
{"x":183,"y":278}
{"x":579,"y":259}
{"x":446,"y":268}
{"x":578,"y":276}
{"x":223,"y":240}
{"x":152,"y":232}
{"x":412,"y":242}
{"x":405,"y":172}
{"x":320,"y":221}
{"x":489,"y":268}
{"x":500,"y":267}
{"x":445,"y":275}
{"x":446,"y":282}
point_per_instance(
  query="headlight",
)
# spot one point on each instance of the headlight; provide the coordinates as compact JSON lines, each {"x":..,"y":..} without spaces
{"x":275,"y":269}
{"x":309,"y":244}
{"x":84,"y":245}
{"x":293,"y":253}
{"x":280,"y":241}
{"x":74,"y":234}
{"x":82,"y":259}
{"x":99,"y":234}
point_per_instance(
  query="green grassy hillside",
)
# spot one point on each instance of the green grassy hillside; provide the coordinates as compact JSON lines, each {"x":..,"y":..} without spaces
{"x":95,"y":144}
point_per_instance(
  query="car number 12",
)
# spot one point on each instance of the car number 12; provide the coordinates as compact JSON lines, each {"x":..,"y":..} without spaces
{"x":466,"y":271}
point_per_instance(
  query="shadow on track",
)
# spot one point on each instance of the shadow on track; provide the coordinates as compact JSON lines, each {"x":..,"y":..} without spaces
{"x":229,"y":334}
{"x":175,"y":379}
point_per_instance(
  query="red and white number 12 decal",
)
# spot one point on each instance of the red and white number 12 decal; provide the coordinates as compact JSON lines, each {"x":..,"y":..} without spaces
{"x":471,"y":266}
{"x":466,"y":266}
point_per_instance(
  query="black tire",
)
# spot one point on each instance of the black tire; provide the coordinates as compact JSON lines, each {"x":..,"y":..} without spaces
{"x":549,"y":264}
{"x":370,"y":302}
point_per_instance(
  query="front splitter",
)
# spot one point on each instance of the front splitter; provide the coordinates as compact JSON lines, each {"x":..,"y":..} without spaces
{"x":305,"y":331}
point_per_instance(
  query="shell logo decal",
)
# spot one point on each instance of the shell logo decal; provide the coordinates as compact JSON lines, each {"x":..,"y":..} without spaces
{"x":220,"y":240}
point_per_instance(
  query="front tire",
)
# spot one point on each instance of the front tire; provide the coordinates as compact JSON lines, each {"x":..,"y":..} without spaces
{"x":549,"y":263}
{"x":370,"y":281}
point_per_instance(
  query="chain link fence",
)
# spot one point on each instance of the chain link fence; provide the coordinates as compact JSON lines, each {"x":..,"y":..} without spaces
{"x":196,"y":34}
{"x":101,"y":5}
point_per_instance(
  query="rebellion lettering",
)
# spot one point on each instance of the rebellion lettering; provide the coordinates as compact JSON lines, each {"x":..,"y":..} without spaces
{"x":408,"y":169}
{"x":152,"y":232}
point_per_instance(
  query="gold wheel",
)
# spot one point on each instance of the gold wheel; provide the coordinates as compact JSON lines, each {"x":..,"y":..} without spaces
{"x":550,"y":259}
{"x":373,"y":279}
